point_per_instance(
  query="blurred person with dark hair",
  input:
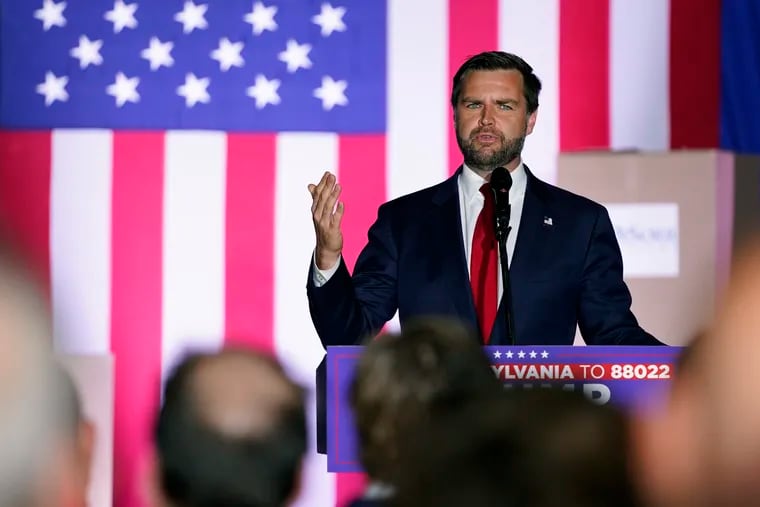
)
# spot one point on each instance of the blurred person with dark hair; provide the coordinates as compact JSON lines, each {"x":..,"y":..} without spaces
{"x":231,"y":432}
{"x":543,"y":447}
{"x":399,"y":378}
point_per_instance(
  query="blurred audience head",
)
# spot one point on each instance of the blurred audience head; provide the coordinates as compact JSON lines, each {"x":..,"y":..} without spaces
{"x":727,"y":379}
{"x":231,"y":431}
{"x":669,"y":452}
{"x":526,"y":447}
{"x":398,"y":378}
{"x":76,"y":435}
{"x":703,"y":449}
{"x":32,"y":471}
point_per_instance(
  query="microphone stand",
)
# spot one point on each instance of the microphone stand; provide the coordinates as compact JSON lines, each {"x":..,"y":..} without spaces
{"x":502,"y":231}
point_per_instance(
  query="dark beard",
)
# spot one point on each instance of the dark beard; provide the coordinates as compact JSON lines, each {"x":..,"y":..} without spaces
{"x":488,"y":161}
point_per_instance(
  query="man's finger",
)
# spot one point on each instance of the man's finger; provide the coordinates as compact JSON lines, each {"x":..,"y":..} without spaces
{"x":338,"y":215}
{"x":331,"y":200}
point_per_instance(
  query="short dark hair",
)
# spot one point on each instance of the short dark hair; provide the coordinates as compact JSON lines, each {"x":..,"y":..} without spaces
{"x":201,"y":466}
{"x":531,"y":447}
{"x":499,"y":60}
{"x":401,"y":376}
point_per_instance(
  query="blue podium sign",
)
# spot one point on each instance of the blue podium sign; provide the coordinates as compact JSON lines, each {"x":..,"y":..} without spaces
{"x":635,"y":378}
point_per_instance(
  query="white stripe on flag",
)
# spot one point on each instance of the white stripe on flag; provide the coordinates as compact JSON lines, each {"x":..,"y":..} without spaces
{"x":531,"y":30}
{"x":418,"y":95}
{"x":80,"y":240}
{"x":639,"y":71}
{"x":193,"y":256}
{"x":301,"y":159}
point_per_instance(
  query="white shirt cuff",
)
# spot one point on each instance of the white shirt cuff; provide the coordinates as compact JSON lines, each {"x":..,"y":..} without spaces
{"x":321,"y":276}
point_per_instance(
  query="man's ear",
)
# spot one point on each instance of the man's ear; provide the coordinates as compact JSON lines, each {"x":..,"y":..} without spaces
{"x":532,"y":117}
{"x":86,"y":447}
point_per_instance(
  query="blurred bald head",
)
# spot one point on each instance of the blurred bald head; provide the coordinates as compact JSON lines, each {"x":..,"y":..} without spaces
{"x":28,"y":416}
{"x":232,"y":431}
{"x":729,"y":360}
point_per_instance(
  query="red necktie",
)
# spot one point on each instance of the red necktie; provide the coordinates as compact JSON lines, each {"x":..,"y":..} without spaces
{"x":483,"y":265}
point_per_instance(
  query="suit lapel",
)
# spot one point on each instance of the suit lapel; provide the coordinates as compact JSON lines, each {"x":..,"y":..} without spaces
{"x":531,"y":224}
{"x":526,"y":245}
{"x":450,"y":251}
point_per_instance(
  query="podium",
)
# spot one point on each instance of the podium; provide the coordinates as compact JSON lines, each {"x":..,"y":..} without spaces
{"x":635,"y":378}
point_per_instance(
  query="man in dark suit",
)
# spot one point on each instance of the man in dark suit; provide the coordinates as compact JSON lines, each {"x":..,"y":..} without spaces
{"x":430,"y":252}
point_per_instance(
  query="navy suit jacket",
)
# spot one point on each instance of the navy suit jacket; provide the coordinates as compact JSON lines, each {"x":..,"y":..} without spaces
{"x":567,"y":270}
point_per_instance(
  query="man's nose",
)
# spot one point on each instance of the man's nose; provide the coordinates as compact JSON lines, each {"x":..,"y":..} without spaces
{"x":486,"y":115}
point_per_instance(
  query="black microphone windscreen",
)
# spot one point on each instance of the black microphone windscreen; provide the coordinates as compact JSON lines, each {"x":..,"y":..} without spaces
{"x":501,"y":180}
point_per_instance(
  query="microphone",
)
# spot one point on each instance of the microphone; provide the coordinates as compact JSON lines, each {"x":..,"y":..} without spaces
{"x":501,"y":182}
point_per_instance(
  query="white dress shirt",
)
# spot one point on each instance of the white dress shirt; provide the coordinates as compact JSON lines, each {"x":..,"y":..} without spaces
{"x":470,"y":204}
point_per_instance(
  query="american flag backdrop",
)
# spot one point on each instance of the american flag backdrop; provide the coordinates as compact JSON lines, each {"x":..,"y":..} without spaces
{"x":154,"y":156}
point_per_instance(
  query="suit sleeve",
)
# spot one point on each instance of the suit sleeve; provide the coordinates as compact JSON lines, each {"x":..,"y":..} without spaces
{"x":349,"y":308}
{"x":604,"y":313}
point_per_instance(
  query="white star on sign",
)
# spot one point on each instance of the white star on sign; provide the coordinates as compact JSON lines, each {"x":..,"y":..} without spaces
{"x":261,"y":18}
{"x":295,"y":55}
{"x":533,"y":354}
{"x":51,"y":14}
{"x":331,"y":93}
{"x":264,"y":91}
{"x":158,"y":53}
{"x":509,"y":354}
{"x":122,"y":16}
{"x":87,"y":52}
{"x":192,"y":16}
{"x":330,"y":19}
{"x":521,"y":354}
{"x":124,"y":89}
{"x":54,"y":88}
{"x":544,"y":354}
{"x":497,"y":355}
{"x":194,"y":90}
{"x":228,"y":54}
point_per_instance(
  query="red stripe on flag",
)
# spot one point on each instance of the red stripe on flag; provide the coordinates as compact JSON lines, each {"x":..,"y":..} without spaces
{"x":25,"y":197}
{"x":136,"y":286}
{"x":349,"y":486}
{"x":473,"y":28}
{"x":249,"y":243}
{"x":584,"y":69}
{"x":694,"y":74}
{"x":361,"y":169}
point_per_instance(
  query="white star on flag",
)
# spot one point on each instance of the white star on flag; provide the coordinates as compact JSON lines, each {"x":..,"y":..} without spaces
{"x":296,"y":55}
{"x":158,"y":53}
{"x":331,"y":93}
{"x":124,"y":89}
{"x":228,"y":54}
{"x":87,"y":52}
{"x":497,"y":355}
{"x":194,"y":90}
{"x":521,"y":354}
{"x":51,"y":14}
{"x":261,"y":18}
{"x":533,"y":354}
{"x":544,"y":354}
{"x":264,"y":91}
{"x":54,"y":88}
{"x":509,"y":354}
{"x":122,"y":16}
{"x":330,"y":19}
{"x":192,"y":16}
